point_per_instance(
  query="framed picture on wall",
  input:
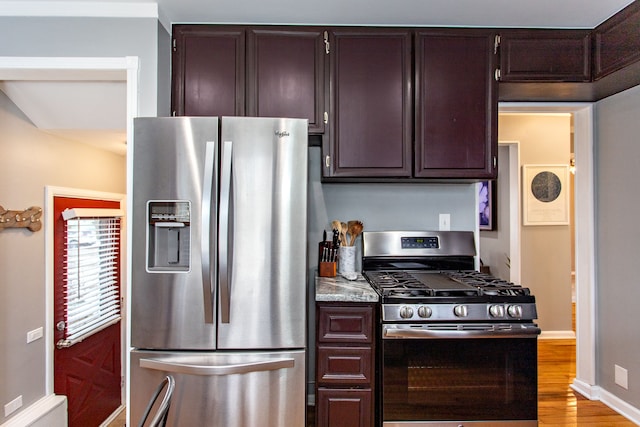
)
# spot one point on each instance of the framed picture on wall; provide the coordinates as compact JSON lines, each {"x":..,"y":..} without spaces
{"x":487,"y":205}
{"x":545,"y":194}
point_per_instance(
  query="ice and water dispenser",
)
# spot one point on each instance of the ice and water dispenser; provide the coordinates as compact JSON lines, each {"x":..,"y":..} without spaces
{"x":168,"y":236}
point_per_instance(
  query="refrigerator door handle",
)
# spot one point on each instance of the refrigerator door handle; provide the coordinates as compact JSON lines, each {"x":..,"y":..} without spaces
{"x":207,"y":194}
{"x":223,"y":232}
{"x":178,"y":367}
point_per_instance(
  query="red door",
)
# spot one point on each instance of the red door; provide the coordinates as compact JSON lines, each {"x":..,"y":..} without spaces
{"x":87,"y":372}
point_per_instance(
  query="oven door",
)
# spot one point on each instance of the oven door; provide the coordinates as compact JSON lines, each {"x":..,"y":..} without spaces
{"x":447,"y":375}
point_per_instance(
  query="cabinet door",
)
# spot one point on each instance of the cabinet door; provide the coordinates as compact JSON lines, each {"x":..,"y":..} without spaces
{"x":286,"y":74}
{"x":345,"y":323}
{"x":456,"y":105}
{"x":370,"y":98}
{"x":344,"y":408}
{"x":617,"y":41}
{"x":545,"y":55}
{"x":339,"y":366}
{"x":208,"y":71}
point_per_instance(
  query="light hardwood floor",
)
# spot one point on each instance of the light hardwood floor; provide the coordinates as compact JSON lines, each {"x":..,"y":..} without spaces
{"x":558,"y":404}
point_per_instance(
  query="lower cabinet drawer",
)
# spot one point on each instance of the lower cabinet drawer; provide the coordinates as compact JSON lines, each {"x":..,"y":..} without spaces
{"x":349,"y":366}
{"x":345,"y":324}
{"x":344,"y":408}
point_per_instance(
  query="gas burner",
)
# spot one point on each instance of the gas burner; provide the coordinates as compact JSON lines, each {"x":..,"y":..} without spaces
{"x":487,"y":284}
{"x":393,"y":279}
{"x":405,"y":293}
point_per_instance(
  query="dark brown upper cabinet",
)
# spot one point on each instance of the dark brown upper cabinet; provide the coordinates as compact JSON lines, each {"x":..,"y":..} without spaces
{"x":285,"y":74}
{"x":208,"y":67}
{"x":370,"y":119}
{"x":545,"y":55}
{"x":253,"y":71}
{"x":617,"y":41}
{"x":456,"y":117}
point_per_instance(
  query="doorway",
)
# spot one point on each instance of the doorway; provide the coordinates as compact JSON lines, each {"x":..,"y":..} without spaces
{"x":584,"y":232}
{"x":88,"y":307}
{"x":65,"y":69}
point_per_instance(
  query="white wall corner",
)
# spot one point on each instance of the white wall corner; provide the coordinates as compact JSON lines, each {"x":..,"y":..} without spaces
{"x":590,"y":391}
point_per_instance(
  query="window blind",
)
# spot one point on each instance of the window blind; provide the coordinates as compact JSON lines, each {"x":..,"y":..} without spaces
{"x":91,"y":273}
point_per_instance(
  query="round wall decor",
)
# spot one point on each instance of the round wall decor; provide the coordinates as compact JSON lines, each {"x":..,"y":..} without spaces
{"x":546,"y":186}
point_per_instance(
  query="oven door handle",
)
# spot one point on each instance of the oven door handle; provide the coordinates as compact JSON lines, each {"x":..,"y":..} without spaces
{"x":460,"y":331}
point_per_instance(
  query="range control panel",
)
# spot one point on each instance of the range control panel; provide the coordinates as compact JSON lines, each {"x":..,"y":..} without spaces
{"x":420,"y":242}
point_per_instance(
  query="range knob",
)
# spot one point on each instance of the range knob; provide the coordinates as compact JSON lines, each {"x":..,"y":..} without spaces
{"x":496,"y":311}
{"x":461,"y":310}
{"x":424,"y":311}
{"x":515,"y":311}
{"x":406,"y":312}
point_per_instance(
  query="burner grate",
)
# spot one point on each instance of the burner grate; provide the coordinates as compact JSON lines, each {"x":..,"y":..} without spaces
{"x":487,"y":284}
{"x":420,"y":284}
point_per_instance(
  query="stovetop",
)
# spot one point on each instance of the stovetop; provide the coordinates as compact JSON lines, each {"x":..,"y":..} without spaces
{"x":433,"y":286}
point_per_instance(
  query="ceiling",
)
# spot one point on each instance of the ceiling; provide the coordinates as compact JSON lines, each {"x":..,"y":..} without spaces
{"x":86,"y":111}
{"x":492,"y":13}
{"x":76,"y":104}
{"x":93,"y":110}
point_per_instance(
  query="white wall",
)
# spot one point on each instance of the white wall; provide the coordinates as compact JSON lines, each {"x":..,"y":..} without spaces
{"x":618,"y":242}
{"x":90,"y":37}
{"x":31,"y":160}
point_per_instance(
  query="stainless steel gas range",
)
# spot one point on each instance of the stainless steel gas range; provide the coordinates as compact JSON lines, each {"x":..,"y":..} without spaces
{"x":457,"y":347}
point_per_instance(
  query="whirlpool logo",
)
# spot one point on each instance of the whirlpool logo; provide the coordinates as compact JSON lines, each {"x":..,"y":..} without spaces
{"x":281,"y":133}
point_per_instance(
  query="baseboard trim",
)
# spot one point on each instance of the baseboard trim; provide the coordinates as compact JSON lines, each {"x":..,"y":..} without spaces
{"x":38,"y":411}
{"x":557,"y":335}
{"x":620,"y":406}
{"x":593,"y":392}
{"x":587,"y":390}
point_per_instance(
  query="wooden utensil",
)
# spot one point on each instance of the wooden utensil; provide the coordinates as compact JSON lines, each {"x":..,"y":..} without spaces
{"x":343,"y":233}
{"x":336,"y":225}
{"x":354,"y":228}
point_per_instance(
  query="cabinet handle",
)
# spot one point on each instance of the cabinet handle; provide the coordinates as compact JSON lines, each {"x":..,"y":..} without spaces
{"x":326,"y":42}
{"x":496,"y":44}
{"x":326,"y":118}
{"x":327,"y":161}
{"x":497,"y":74}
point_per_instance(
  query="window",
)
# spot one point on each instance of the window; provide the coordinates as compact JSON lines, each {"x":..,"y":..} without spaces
{"x":90,"y":272}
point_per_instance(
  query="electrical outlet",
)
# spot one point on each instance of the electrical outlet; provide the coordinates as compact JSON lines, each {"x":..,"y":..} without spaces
{"x":621,"y":377}
{"x":445,"y":222}
{"x":34,"y":335}
{"x":12,"y":406}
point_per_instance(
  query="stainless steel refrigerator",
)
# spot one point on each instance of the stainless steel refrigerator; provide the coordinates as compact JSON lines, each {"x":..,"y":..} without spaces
{"x":218,"y":291}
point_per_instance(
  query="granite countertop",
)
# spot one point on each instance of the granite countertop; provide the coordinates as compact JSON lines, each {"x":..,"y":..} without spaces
{"x":329,"y":289}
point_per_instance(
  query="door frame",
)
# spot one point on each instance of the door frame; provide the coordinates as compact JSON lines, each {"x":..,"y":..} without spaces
{"x":513,"y":150}
{"x":584,"y":192}
{"x":50,"y":193}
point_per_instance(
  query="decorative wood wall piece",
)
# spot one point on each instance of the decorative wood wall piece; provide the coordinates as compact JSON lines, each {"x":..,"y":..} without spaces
{"x":29,"y":218}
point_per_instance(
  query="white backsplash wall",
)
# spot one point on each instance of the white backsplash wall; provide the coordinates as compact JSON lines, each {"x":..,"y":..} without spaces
{"x":385,"y":206}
